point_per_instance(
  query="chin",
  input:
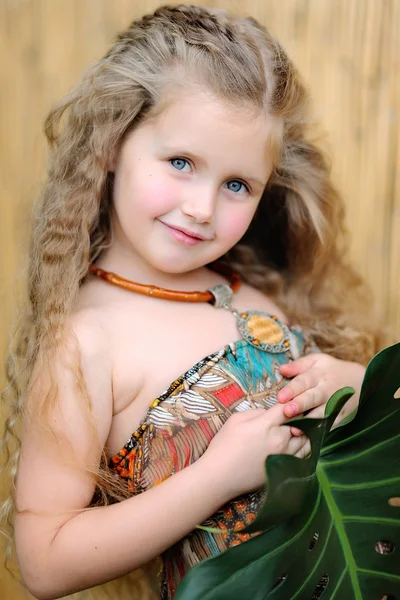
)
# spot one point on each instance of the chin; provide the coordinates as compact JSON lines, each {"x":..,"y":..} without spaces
{"x":176,"y":266}
{"x":170,"y":269}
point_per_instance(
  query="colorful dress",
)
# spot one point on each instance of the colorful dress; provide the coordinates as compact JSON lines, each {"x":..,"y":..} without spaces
{"x":179,"y":426}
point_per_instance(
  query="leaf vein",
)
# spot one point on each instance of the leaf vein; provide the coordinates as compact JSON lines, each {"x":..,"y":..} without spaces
{"x":371,"y":520}
{"x":338,"y":583}
{"x":346,"y":440}
{"x":366,"y":485}
{"x":342,"y":461}
{"x":316,"y":562}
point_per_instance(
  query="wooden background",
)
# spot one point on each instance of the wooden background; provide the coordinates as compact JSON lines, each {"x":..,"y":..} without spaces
{"x":348,"y":52}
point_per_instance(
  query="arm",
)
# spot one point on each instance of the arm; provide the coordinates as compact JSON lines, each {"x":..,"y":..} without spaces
{"x":63,"y":548}
{"x":64,"y":554}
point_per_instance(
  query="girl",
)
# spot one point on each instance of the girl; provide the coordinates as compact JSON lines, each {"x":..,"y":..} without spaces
{"x":179,"y":165}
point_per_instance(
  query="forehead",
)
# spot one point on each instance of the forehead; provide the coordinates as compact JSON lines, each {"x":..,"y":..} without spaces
{"x":198,"y":122}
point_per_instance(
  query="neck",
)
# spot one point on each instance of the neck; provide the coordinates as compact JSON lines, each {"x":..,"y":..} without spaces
{"x":127,"y":266}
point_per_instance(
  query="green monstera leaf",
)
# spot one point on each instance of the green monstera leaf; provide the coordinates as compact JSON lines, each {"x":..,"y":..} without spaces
{"x":330,"y":525}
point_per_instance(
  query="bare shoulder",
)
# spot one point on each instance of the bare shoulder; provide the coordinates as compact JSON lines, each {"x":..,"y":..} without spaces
{"x":76,"y":422}
{"x":249,"y":297}
{"x":89,"y":331}
{"x":91,"y":322}
{"x":89,"y":328}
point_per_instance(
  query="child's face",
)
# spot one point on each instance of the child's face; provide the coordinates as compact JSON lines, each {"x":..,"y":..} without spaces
{"x":200,"y":166}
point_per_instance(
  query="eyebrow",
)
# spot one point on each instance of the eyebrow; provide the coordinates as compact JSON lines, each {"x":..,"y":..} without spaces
{"x":254,"y":181}
{"x":196,"y":157}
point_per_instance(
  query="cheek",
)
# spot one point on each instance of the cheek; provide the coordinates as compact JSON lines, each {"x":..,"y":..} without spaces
{"x":160,"y":197}
{"x":154,"y":194}
{"x":236,"y":223}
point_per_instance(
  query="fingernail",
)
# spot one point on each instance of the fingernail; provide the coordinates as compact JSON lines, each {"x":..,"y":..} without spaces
{"x":292,"y":409}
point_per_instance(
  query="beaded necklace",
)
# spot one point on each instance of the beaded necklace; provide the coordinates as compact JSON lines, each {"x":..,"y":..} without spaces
{"x":260,"y":329}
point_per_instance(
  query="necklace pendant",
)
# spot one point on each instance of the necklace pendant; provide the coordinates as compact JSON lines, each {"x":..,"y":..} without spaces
{"x":260,"y":329}
{"x":264,"y":331}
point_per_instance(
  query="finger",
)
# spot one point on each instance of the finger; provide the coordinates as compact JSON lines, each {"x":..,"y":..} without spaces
{"x":304,"y":451}
{"x":245,"y":416}
{"x":298,"y":366}
{"x":296,"y":432}
{"x":308,"y":400}
{"x":295,"y":387}
{"x":274,"y":415}
{"x":295,"y":444}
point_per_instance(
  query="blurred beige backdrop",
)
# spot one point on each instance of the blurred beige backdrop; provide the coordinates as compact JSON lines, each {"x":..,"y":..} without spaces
{"x":348,"y":52}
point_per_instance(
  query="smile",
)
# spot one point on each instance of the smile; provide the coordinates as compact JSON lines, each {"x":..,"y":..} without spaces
{"x":184,"y":236}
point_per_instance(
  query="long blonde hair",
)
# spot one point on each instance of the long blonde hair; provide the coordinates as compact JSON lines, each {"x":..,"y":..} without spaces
{"x":295,"y":249}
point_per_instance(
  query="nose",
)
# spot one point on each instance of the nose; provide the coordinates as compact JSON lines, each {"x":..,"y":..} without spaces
{"x":200,"y":205}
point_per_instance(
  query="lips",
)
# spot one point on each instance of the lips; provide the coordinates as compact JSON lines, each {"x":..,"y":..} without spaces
{"x":187,"y":232}
{"x":192,"y":234}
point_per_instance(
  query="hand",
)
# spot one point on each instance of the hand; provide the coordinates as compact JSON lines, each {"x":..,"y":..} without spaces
{"x":315,"y":378}
{"x":239,"y":450}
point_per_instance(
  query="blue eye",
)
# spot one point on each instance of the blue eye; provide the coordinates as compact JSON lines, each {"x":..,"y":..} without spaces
{"x":179,"y":163}
{"x":236,"y":186}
